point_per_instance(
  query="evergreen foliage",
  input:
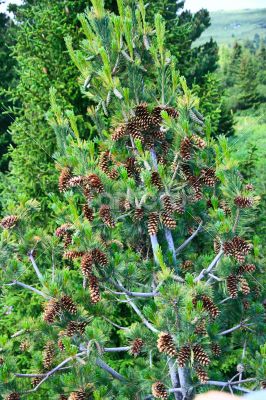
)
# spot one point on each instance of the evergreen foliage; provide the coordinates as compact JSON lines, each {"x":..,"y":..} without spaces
{"x":160,"y":191}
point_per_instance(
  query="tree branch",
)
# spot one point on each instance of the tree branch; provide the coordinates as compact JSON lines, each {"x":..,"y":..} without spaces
{"x":186,"y":242}
{"x":129,"y":293}
{"x":110,"y":370}
{"x":138,"y":312}
{"x":234,"y":328}
{"x":36,"y":269}
{"x":210,"y":267}
{"x":28,"y":287}
{"x":114,"y":324}
{"x":116,"y":349}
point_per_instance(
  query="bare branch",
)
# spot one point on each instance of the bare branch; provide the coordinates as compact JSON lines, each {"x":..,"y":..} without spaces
{"x":110,"y":370}
{"x":28,"y":287}
{"x":114,"y":324}
{"x":186,"y":242}
{"x":36,"y":269}
{"x":18,"y":333}
{"x":116,"y":349}
{"x":170,"y":242}
{"x":236,"y":220}
{"x":129,"y":293}
{"x":138,"y":312}
{"x":234,"y":328}
{"x":210,"y":267}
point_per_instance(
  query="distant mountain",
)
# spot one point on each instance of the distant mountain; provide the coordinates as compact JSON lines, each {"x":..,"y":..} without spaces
{"x":229,"y":26}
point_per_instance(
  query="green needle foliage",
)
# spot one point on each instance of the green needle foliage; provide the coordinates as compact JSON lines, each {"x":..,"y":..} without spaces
{"x":152,"y":220}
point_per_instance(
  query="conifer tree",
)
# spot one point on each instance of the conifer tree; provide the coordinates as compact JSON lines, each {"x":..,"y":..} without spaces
{"x":150,"y":216}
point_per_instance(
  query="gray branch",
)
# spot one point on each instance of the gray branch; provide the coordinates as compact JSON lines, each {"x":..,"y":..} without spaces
{"x":36,"y":269}
{"x":110,"y":370}
{"x":116,"y":349}
{"x":210,"y":267}
{"x":29,"y":287}
{"x":186,"y":242}
{"x":139,"y":313}
{"x":129,"y":293}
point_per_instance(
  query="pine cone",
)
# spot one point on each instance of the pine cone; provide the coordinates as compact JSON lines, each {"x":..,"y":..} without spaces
{"x":198,"y":141}
{"x":136,"y":347}
{"x":9,"y":222}
{"x":74,"y":327}
{"x":95,"y":183}
{"x":168,"y":221}
{"x":156,"y":115}
{"x":48,"y":355}
{"x":67,"y":239}
{"x":159,"y":390}
{"x":247,"y":268}
{"x":207,"y":176}
{"x":138,"y":214}
{"x":166,"y":344}
{"x":185,"y":148}
{"x":232,"y":285}
{"x":202,"y":374}
{"x":1,"y":361}
{"x":36,"y":380}
{"x":225,"y":207}
{"x":88,"y":212}
{"x":124,"y":205}
{"x":186,"y":171}
{"x":62,"y":230}
{"x":243,"y":202}
{"x":51,"y":311}
{"x":64,"y":178}
{"x":76,"y":181}
{"x":68,"y":304}
{"x":60,"y":345}
{"x":183,"y":355}
{"x":186,"y":265}
{"x":249,"y":187}
{"x":263,"y":385}
{"x":143,"y":118}
{"x":167,"y":204}
{"x":62,"y":397}
{"x":179,"y":206}
{"x":156,"y":180}
{"x":210,"y":307}
{"x":200,"y":355}
{"x":99,"y":257}
{"x":237,"y":248}
{"x":153,"y":223}
{"x":200,"y":328}
{"x":94,"y":289}
{"x":216,"y":349}
{"x":119,"y":132}
{"x":216,"y":245}
{"x":133,"y":129}
{"x":24,"y":346}
{"x":246,"y":304}
{"x":105,"y":214}
{"x":78,"y":395}
{"x":244,"y":286}
{"x":87,"y":192}
{"x":86,"y":264}
{"x":13,"y":396}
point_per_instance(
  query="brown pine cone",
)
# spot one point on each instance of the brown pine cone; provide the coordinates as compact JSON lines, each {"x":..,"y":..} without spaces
{"x":24,"y":346}
{"x":86,"y":264}
{"x":207,"y":176}
{"x":105,"y":214}
{"x":185,"y":148}
{"x":62,"y":230}
{"x":51,"y":311}
{"x":76,"y":181}
{"x":249,"y":187}
{"x":99,"y":257}
{"x":243,"y":202}
{"x":119,"y":132}
{"x":138,"y":214}
{"x":183,"y":355}
{"x":237,"y":248}
{"x":244,"y":286}
{"x":72,"y":254}
{"x":67,"y":239}
{"x":153,"y":223}
{"x":246,"y":304}
{"x":2,"y":361}
{"x":64,"y":178}
{"x":167,"y":204}
{"x":94,"y":289}
{"x":68,"y":304}
{"x":216,"y":349}
{"x":198,"y":141}
{"x":136,"y":347}
{"x":200,"y":328}
{"x":156,"y":180}
{"x":78,"y":395}
{"x":48,"y":355}
{"x":9,"y":222}
{"x":88,"y":212}
{"x":168,"y":221}
{"x":159,"y":390}
{"x":225,"y":207}
{"x":62,"y":397}
{"x":12,"y":396}
{"x":202,"y":374}
{"x":179,"y":206}
{"x":200,"y":355}
{"x":36,"y":380}
{"x":210,"y":307}
{"x":166,"y":344}
{"x":232,"y":285}
{"x":95,"y":183}
{"x":186,"y":265}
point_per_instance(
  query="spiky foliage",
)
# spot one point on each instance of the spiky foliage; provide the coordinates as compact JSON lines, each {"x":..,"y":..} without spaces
{"x":135,"y":265}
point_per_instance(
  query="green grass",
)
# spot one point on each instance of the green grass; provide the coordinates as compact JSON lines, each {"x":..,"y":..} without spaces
{"x":229,"y":26}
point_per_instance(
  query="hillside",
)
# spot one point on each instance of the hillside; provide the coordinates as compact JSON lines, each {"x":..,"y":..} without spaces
{"x":228,"y":26}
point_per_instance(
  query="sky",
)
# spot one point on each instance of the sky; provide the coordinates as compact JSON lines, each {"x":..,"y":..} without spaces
{"x":195,"y":5}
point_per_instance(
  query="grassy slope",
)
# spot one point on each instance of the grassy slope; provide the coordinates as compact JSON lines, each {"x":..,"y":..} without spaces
{"x":228,"y":26}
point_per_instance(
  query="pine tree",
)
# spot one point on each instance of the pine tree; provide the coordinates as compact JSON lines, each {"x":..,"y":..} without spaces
{"x":104,"y":268}
{"x":247,"y":83}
